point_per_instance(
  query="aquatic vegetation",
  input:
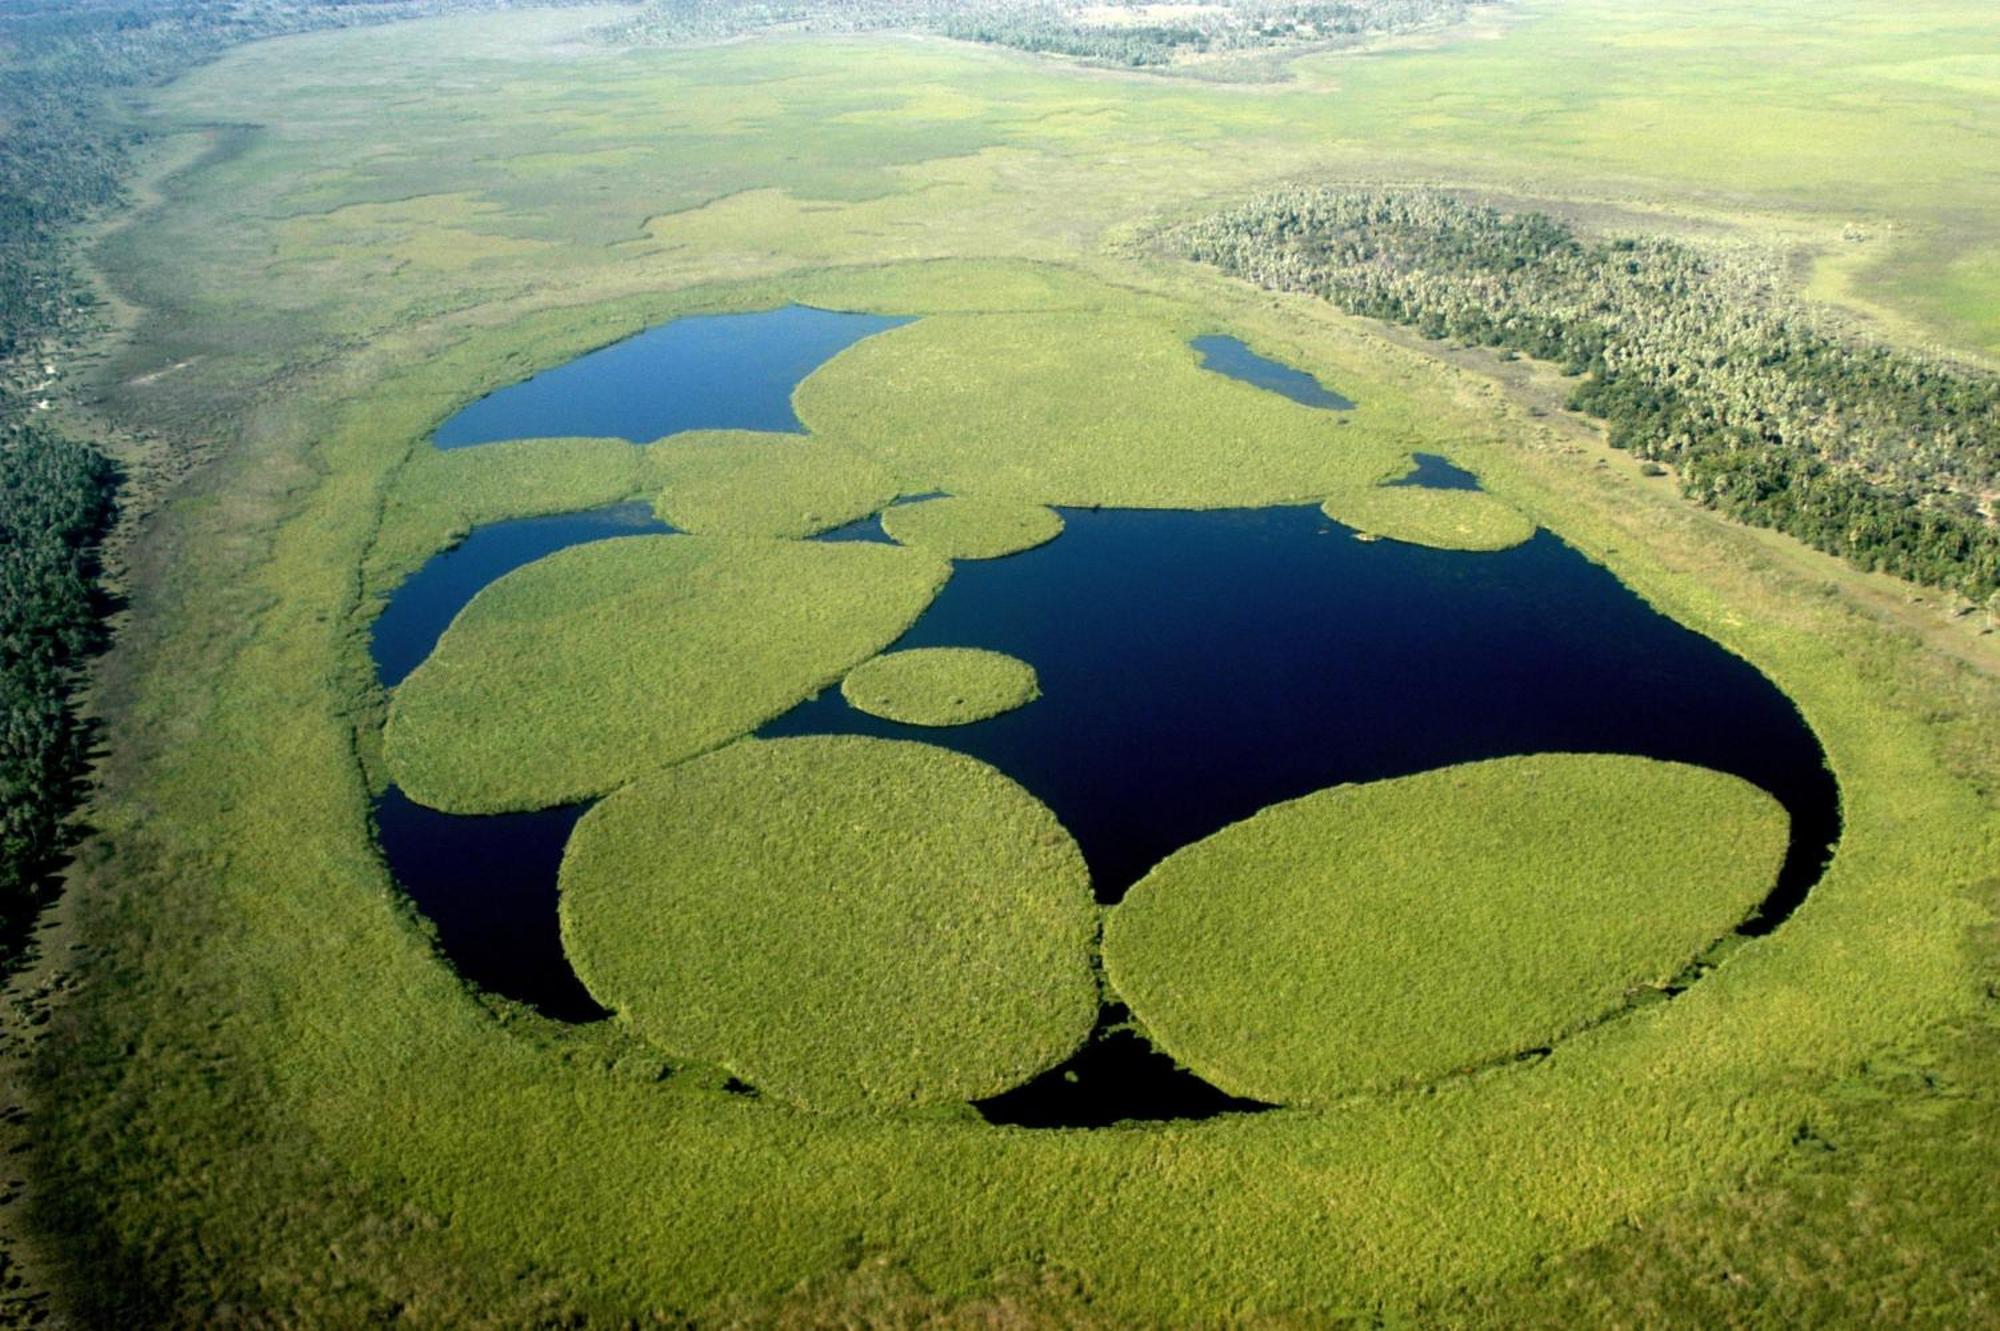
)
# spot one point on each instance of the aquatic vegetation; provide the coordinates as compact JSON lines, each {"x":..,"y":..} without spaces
{"x":572,"y":676}
{"x":941,"y":686}
{"x":1080,"y":410}
{"x":1420,"y":515}
{"x":968,"y":527}
{"x":739,"y":483}
{"x":1389,"y":934}
{"x":840,"y":922}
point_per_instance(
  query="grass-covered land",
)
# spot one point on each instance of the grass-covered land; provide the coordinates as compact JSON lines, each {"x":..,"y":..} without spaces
{"x":1389,"y":934}
{"x":968,"y":527}
{"x":1695,"y":356}
{"x":1078,"y":410}
{"x":941,"y":686}
{"x":1447,"y":519}
{"x":737,"y":483}
{"x":840,"y":922}
{"x":572,"y":676}
{"x":267,"y":1064}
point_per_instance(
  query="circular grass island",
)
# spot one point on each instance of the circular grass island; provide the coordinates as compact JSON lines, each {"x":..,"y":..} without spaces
{"x":941,"y":686}
{"x":968,"y":527}
{"x":843,"y":923}
{"x":1444,"y":519}
{"x":1384,"y":935}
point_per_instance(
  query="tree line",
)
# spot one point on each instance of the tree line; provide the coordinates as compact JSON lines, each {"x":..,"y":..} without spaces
{"x":1096,"y":33}
{"x":66,"y":154}
{"x":1692,"y":355}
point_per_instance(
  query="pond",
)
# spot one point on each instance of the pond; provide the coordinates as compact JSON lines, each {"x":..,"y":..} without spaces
{"x":707,"y":372}
{"x":1195,"y":667}
{"x":1231,"y":356}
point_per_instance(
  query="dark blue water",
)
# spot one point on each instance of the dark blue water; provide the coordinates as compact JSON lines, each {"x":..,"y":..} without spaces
{"x":1436,"y":473}
{"x":1196,"y":667}
{"x":706,"y":372}
{"x":1227,"y":355}
{"x":424,"y":606}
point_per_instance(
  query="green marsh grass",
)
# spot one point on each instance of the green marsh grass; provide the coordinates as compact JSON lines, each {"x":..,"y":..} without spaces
{"x":741,"y":483}
{"x":941,"y":686}
{"x":1444,"y":519}
{"x":968,"y":527}
{"x":843,"y":923}
{"x":570,"y":677}
{"x":1389,"y":934}
{"x":265,"y":1062}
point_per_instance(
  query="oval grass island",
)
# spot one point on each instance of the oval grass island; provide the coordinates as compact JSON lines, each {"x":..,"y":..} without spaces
{"x":969,"y":527}
{"x":1421,"y":515}
{"x":1383,"y":935}
{"x":941,"y":686}
{"x":844,"y":923}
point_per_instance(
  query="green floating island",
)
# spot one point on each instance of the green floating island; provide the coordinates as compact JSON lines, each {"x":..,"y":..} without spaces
{"x":941,"y":686}
{"x":744,"y":483}
{"x":1446,"y":519}
{"x":1388,"y":934}
{"x":568,"y":678}
{"x":1077,"y":409}
{"x":844,"y":923}
{"x":969,"y":527}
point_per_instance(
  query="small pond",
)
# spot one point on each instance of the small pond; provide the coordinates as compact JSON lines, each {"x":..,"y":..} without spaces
{"x":1231,"y":356}
{"x":707,"y":372}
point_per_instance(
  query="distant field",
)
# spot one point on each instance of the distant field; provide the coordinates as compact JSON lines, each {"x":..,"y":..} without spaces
{"x":275,"y":1066}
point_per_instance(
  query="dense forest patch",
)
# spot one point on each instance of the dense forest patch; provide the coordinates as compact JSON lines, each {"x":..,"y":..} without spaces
{"x":1391,"y":933}
{"x":968,"y":527}
{"x":567,"y":678}
{"x":1693,"y":356}
{"x":840,"y":922}
{"x":940,"y":686}
{"x":1446,"y":519}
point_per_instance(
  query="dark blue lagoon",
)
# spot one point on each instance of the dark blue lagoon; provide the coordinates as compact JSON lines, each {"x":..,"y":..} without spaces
{"x":1228,"y":355}
{"x":1196,"y":667}
{"x":706,"y":372}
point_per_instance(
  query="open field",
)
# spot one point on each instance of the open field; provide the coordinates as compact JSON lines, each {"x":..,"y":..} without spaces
{"x":1394,"y":933}
{"x":269,"y":1062}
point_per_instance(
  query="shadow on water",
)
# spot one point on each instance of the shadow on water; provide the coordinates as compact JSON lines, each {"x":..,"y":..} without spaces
{"x":1227,"y":355}
{"x":706,"y":372}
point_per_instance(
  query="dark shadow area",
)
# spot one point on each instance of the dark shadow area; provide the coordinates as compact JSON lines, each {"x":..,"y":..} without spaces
{"x":1117,"y":1077}
{"x":488,"y":886}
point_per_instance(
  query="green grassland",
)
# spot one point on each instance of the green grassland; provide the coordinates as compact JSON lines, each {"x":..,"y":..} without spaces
{"x":941,"y":686}
{"x":568,"y":678}
{"x":844,"y":923}
{"x":270,"y":1064}
{"x":1391,"y":934}
{"x":1446,"y":519}
{"x":968,"y":527}
{"x":739,"y":483}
